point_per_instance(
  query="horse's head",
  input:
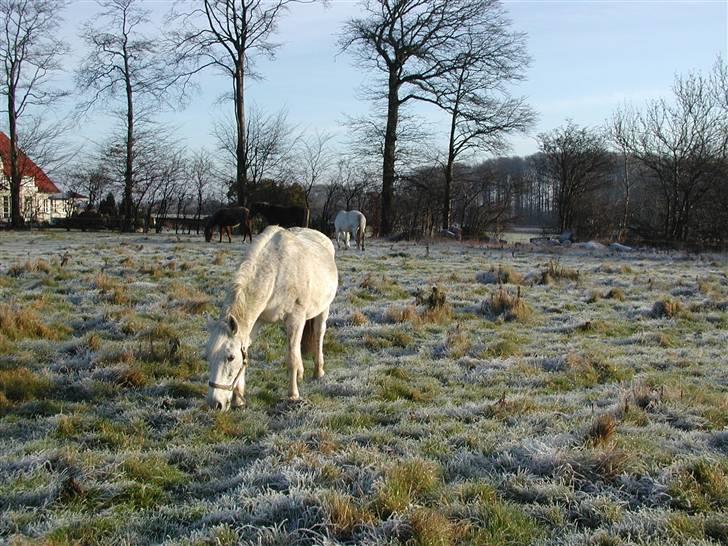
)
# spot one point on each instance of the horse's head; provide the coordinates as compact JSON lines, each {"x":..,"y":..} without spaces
{"x":227,"y":355}
{"x":208,"y":233}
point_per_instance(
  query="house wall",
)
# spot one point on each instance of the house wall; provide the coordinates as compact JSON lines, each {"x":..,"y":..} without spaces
{"x":36,"y":206}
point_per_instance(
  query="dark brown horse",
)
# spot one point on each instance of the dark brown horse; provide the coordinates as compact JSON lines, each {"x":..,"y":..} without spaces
{"x":279,"y":215}
{"x":227,"y":218}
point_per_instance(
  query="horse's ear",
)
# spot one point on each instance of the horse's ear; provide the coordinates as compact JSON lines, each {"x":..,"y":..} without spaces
{"x":232,"y":324}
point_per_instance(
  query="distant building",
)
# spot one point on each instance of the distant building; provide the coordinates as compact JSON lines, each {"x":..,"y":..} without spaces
{"x":40,"y":198}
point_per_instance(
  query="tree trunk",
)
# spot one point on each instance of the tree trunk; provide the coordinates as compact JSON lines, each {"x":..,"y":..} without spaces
{"x":16,"y":179}
{"x":129,"y":216}
{"x":241,"y":178}
{"x":625,"y":211}
{"x":447,"y":198}
{"x":390,"y":141}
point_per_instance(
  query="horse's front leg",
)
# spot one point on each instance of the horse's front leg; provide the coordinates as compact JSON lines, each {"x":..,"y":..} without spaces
{"x":294,"y":328}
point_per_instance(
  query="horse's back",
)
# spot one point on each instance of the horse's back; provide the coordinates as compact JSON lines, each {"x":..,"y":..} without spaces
{"x":349,"y":219}
{"x":303,"y":263}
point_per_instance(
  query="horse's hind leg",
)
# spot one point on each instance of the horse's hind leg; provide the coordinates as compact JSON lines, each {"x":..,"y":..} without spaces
{"x":319,"y":329}
{"x":294,"y":328}
{"x":228,"y":232}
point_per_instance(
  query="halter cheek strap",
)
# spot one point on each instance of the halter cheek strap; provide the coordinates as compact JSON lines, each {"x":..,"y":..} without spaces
{"x":231,"y":386}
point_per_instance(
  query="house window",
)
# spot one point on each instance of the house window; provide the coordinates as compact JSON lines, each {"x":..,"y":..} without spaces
{"x":6,"y":206}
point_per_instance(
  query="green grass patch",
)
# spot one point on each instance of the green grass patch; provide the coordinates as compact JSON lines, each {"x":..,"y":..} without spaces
{"x":700,"y":486}
{"x":405,"y":483}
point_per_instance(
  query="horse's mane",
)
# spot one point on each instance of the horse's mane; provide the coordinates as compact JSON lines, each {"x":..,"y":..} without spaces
{"x":246,"y":272}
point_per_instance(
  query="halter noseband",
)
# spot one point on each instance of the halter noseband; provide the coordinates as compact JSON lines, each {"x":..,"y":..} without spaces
{"x":231,"y":386}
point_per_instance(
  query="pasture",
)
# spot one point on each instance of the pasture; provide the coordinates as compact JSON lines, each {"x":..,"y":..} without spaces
{"x":557,"y":397}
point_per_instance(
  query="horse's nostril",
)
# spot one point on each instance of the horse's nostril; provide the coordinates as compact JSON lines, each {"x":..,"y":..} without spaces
{"x":218,"y":405}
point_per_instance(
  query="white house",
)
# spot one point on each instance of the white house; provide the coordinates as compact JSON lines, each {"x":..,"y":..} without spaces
{"x":40,"y":198}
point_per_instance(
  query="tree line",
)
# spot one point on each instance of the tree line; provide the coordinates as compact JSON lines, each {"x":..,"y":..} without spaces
{"x":656,"y":171}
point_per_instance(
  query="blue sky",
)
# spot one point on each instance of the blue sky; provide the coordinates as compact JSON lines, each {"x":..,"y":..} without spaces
{"x":588,"y":57}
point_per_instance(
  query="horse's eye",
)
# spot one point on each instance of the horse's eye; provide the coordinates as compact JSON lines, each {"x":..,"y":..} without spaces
{"x":230,"y":358}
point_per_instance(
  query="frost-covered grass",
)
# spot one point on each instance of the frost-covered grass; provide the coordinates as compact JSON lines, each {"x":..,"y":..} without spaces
{"x":472,"y":396}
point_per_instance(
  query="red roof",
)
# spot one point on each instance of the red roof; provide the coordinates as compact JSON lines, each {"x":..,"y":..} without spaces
{"x":26,"y":166}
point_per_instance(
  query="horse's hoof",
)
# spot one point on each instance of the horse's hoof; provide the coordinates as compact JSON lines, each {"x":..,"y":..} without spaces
{"x":319,"y":374}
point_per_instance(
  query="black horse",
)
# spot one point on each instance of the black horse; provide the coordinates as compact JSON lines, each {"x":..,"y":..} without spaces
{"x":227,"y":218}
{"x":283,"y":216}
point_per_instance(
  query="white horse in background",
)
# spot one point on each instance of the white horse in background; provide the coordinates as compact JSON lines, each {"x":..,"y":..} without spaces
{"x":288,"y":276}
{"x":350,"y":224}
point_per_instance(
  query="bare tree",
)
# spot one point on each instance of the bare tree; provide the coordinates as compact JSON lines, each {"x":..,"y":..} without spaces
{"x":228,"y":35}
{"x":269,"y":145}
{"x":682,"y":145}
{"x":90,"y":178}
{"x":576,"y":162}
{"x":410,"y":42}
{"x":123,"y":62}
{"x":30,"y":54}
{"x":200,"y":170}
{"x":474,"y":92}
{"x":315,"y":159}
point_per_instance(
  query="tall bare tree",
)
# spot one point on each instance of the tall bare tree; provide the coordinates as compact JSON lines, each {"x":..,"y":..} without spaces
{"x":228,"y":35}
{"x":475,"y":91}
{"x":575,"y":160}
{"x":201,"y":171}
{"x":269,"y":144}
{"x":30,"y":54}
{"x":315,"y":159}
{"x":123,"y":64}
{"x":410,"y":42}
{"x":682,"y":145}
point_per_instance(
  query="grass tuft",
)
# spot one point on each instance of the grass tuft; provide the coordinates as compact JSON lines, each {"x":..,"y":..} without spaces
{"x":601,"y":431}
{"x":21,"y":384}
{"x":555,"y":272}
{"x":345,"y":515}
{"x":24,"y":322}
{"x":668,"y":308}
{"x":503,"y":275}
{"x":405,"y":483}
{"x":504,"y":305}
{"x":700,"y":486}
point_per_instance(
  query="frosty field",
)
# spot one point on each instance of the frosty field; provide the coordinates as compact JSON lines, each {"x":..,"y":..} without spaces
{"x":592,"y":409}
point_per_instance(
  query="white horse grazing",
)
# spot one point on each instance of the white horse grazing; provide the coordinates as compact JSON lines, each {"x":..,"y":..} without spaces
{"x":288,"y":276}
{"x":351,"y":223}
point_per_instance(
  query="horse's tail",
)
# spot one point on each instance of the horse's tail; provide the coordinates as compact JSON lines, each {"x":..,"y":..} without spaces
{"x":308,"y":341}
